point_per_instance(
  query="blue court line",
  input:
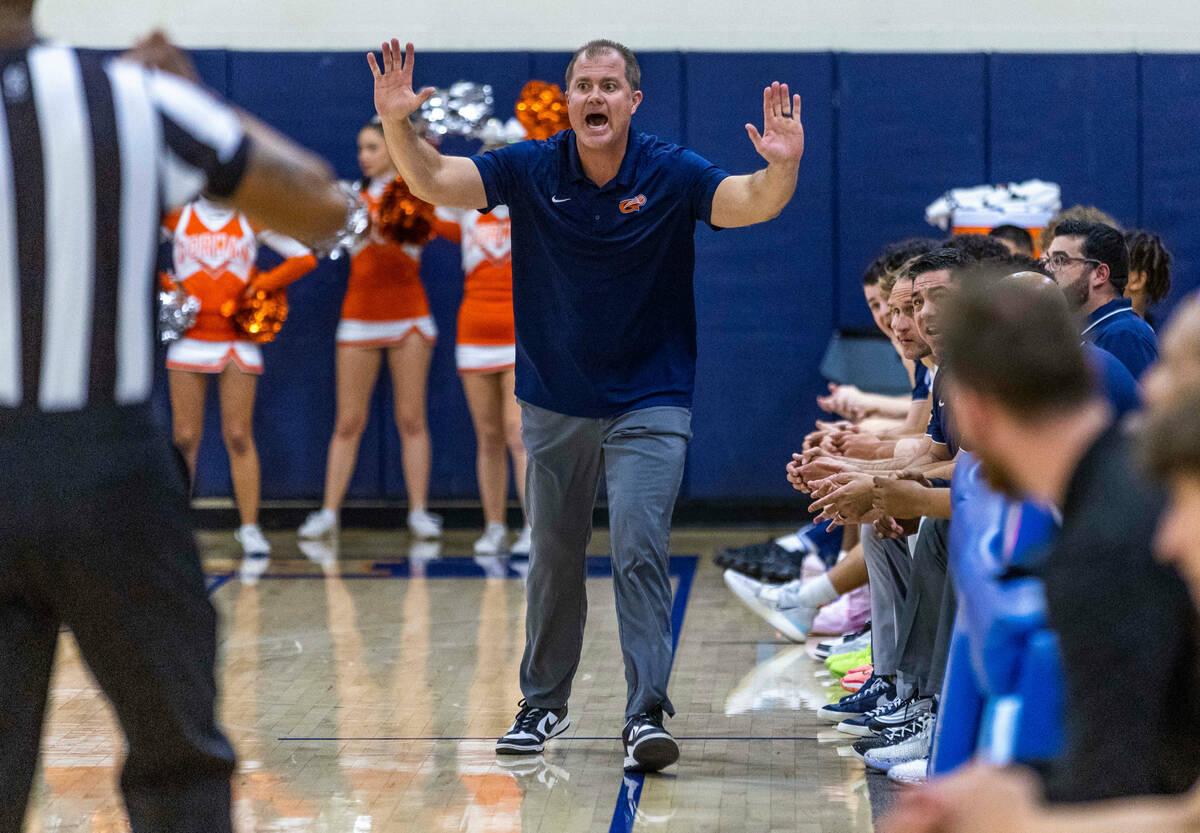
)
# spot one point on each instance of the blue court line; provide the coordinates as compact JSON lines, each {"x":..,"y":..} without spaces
{"x":598,"y":566}
{"x":630,"y":794}
{"x":214,"y":582}
{"x":628,"y":798}
{"x":493,"y":737}
{"x":446,"y":568}
{"x":682,"y":567}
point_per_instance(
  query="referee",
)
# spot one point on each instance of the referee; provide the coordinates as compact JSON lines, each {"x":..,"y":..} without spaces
{"x":602,"y":241}
{"x":94,"y":529}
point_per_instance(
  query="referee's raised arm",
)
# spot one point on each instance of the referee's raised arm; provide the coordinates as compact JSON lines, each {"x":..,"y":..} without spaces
{"x":92,"y":151}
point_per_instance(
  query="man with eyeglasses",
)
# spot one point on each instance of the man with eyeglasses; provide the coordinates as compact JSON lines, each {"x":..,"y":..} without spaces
{"x":1090,"y":263}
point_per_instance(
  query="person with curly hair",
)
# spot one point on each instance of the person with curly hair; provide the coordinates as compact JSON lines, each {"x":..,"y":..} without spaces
{"x":1149,"y":271}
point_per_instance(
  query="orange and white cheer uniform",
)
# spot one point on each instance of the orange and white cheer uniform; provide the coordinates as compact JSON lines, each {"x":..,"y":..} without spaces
{"x":487,"y":337}
{"x":214,"y":252}
{"x":385,"y":300}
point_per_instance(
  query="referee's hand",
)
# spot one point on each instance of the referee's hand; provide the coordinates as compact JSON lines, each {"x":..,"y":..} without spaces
{"x":156,"y":52}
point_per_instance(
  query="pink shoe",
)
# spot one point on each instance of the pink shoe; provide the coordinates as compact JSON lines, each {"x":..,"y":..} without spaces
{"x":847,"y":614}
{"x":856,"y":677}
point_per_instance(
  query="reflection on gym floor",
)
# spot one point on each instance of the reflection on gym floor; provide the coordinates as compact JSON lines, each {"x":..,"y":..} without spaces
{"x":364,"y":687}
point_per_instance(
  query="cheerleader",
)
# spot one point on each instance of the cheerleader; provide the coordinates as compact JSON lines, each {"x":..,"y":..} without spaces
{"x":214,"y":254}
{"x":486,"y":357}
{"x":384,"y":315}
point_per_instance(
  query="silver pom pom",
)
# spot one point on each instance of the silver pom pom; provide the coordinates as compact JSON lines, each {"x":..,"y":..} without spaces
{"x":176,"y":314}
{"x":353,"y":233}
{"x":462,"y":109}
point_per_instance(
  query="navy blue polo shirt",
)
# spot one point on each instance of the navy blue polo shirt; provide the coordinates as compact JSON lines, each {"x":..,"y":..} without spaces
{"x":1113,"y":380}
{"x":602,"y":277}
{"x":941,"y":423}
{"x":923,"y":379}
{"x":1115,"y":327}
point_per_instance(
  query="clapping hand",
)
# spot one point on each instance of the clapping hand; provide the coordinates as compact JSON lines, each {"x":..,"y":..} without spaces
{"x":901,"y":496}
{"x":889,"y":527}
{"x":847,"y":503}
{"x":841,"y":399}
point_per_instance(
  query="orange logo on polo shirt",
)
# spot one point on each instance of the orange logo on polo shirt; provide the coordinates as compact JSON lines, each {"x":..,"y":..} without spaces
{"x":633,"y":204}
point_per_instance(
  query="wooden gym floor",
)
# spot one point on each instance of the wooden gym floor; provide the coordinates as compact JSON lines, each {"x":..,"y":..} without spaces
{"x":363,"y":690}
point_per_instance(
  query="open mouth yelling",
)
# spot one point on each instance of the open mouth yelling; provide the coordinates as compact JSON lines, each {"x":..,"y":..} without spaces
{"x":596,"y":121}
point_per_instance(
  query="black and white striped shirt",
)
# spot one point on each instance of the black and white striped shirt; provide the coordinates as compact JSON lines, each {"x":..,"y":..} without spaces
{"x":92,"y":151}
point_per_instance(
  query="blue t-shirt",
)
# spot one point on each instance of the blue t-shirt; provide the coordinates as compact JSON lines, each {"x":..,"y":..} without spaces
{"x":1115,"y":327}
{"x":923,"y":380}
{"x":941,"y":422}
{"x":1113,"y":379}
{"x":602,"y":277}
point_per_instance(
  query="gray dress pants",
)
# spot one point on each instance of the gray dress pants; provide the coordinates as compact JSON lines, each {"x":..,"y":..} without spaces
{"x":641,"y":454}
{"x":888,"y":569}
{"x":927,"y":617}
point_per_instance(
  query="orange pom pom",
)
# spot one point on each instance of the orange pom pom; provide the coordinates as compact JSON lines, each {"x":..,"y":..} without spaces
{"x":260,"y":317}
{"x":402,"y":217}
{"x":542,"y":109}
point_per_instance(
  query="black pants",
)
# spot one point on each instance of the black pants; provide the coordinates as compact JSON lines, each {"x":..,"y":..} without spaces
{"x":95,"y":535}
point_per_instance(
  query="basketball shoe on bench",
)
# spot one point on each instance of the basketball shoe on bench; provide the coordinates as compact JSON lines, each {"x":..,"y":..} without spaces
{"x":913,"y":708}
{"x":782,"y":610}
{"x":874,"y":692}
{"x":844,"y":644}
{"x":864,"y":726}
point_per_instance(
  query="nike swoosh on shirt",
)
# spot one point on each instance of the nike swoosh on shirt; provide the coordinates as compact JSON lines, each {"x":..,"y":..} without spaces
{"x":557,"y":200}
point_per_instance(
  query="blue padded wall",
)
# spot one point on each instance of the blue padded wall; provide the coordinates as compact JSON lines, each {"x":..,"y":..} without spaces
{"x":1170,"y":111}
{"x":758,"y":289}
{"x":1070,"y":119}
{"x":212,"y":65}
{"x":886,"y":135}
{"x":319,"y":99}
{"x":909,"y":128}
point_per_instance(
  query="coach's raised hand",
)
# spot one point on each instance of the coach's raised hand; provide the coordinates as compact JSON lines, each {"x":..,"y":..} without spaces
{"x":782,"y":138}
{"x":451,"y":181}
{"x":394,"y":95}
{"x":760,"y":196}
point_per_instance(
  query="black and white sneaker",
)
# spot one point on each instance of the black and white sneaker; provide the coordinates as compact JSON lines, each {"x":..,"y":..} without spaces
{"x":648,"y":746}
{"x":874,"y":693}
{"x":913,"y":708}
{"x":859,"y":725}
{"x":532,"y":728}
{"x":885,"y":738}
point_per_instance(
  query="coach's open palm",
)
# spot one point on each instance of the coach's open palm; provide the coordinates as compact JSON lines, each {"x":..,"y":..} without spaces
{"x":394,"y":95}
{"x":782,"y":139}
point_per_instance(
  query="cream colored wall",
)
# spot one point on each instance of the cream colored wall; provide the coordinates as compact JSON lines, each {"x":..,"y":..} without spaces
{"x":723,"y":25}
